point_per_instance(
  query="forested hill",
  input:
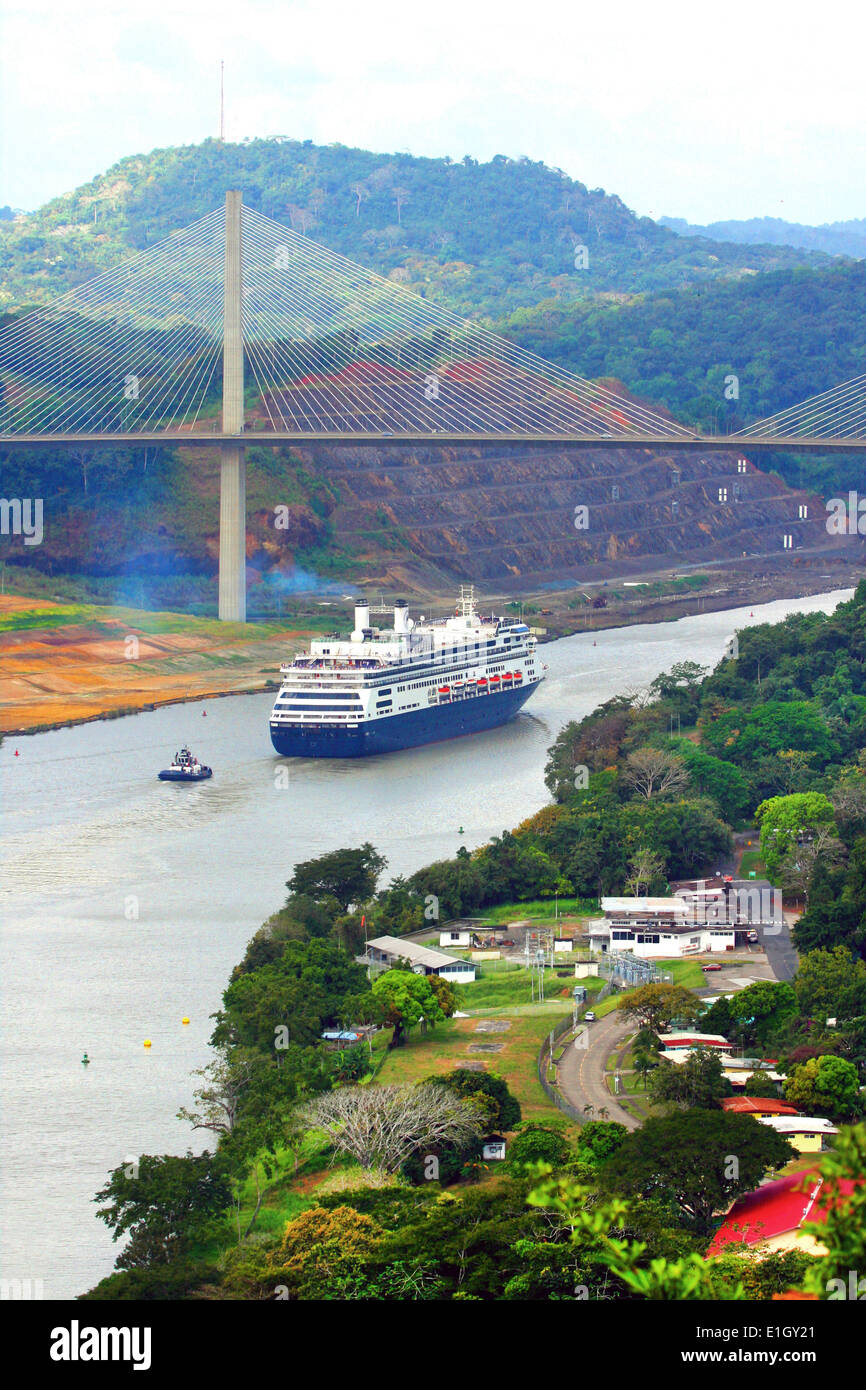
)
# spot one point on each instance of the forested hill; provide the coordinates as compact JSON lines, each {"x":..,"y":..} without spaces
{"x":482,"y":239}
{"x":786,"y":336}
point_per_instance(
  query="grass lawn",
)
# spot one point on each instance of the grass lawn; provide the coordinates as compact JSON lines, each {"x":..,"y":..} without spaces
{"x":685,"y":972}
{"x":752,"y":860}
{"x":502,"y":984}
{"x":544,"y":908}
{"x":448,"y":1045}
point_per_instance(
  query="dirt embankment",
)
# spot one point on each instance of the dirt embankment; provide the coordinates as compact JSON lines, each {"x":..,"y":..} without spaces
{"x":63,"y":666}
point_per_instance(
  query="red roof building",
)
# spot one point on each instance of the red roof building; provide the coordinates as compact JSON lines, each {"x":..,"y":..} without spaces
{"x":774,"y":1214}
{"x":757,"y":1105}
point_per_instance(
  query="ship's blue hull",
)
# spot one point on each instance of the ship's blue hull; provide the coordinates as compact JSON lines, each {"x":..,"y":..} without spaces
{"x":398,"y":731}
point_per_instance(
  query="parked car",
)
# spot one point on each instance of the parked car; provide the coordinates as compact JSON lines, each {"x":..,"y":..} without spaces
{"x":589,"y":1018}
{"x":751,"y":936}
{"x":711,"y":967}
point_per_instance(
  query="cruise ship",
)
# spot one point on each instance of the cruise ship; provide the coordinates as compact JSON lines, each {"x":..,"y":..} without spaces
{"x":383,"y":689}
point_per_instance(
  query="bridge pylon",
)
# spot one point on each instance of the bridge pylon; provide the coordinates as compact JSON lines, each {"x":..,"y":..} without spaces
{"x":233,"y":515}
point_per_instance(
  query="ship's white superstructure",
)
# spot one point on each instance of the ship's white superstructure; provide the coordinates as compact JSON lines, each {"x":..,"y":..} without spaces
{"x":406,"y":684}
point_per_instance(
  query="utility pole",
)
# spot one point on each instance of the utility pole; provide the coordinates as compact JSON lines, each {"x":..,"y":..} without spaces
{"x":232,"y":573}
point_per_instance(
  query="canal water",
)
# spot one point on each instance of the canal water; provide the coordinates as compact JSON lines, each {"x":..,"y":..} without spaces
{"x":126,"y":901}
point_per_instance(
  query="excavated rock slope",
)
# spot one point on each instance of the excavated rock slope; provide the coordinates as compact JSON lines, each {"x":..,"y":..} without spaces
{"x":509,"y":513}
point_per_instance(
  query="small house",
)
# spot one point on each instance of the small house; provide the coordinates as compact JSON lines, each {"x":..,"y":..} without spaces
{"x":459,"y":937}
{"x":493,"y":1148}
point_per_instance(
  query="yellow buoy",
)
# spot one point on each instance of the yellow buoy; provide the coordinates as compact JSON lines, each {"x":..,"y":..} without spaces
{"x":184,"y":1020}
{"x":147,"y":1042}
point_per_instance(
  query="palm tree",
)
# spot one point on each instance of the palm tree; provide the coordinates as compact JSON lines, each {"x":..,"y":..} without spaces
{"x":589,"y":1110}
{"x":603,"y":1112}
{"x":643,"y":1063}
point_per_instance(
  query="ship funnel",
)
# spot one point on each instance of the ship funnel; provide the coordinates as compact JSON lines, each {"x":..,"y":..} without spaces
{"x":401,"y":616}
{"x":362,"y":620}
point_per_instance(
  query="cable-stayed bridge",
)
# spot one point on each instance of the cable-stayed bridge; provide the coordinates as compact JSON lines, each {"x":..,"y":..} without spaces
{"x":238,"y":330}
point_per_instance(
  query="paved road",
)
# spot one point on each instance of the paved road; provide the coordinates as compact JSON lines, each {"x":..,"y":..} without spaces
{"x":581,"y":1071}
{"x":781,"y":955}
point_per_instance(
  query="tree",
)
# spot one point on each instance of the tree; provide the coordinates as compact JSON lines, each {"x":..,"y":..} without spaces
{"x":843,"y":1232}
{"x":164,"y":1202}
{"x":506,"y":1108}
{"x":686,"y":674}
{"x":654,"y":772}
{"x":798,"y":863}
{"x":537,"y":1143}
{"x":719,"y":779}
{"x":760,"y":1085}
{"x":349,"y":875}
{"x":601,"y":1232}
{"x":656,"y":1005}
{"x":320,"y":1246}
{"x":789,"y":821}
{"x":227,"y":1084}
{"x":400,"y":196}
{"x":825,"y":1086}
{"x":644,"y":868}
{"x":701,"y":1160}
{"x":644,"y":1062}
{"x":406,"y":998}
{"x":290,"y":999}
{"x":831,"y":984}
{"x":380,"y":1126}
{"x":599,"y":1140}
{"x":697,"y":1082}
{"x":761,"y":1009}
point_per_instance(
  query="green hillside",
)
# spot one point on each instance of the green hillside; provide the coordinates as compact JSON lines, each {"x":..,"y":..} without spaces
{"x":786,"y":336}
{"x":482,"y":239}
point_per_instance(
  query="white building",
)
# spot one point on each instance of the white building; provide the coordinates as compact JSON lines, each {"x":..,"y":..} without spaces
{"x":493,"y":1149}
{"x":394,"y":952}
{"x":649,"y":927}
{"x":461,"y":937}
{"x":807,"y":1133}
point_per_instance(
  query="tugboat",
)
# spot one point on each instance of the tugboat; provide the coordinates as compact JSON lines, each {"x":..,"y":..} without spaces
{"x":185,"y":768}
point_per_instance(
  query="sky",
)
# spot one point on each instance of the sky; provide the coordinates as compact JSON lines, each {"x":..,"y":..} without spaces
{"x":704,"y":111}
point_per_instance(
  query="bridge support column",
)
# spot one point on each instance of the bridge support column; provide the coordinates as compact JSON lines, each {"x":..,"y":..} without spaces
{"x":233,"y":486}
{"x":233,"y":534}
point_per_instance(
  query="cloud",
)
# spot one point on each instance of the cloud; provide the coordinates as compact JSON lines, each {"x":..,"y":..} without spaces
{"x":701,"y":111}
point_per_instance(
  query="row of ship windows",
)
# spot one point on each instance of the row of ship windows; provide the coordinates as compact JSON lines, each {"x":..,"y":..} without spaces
{"x":315,"y":709}
{"x":317,"y":695}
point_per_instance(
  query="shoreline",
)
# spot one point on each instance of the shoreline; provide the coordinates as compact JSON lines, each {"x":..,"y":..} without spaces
{"x":625,"y":613}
